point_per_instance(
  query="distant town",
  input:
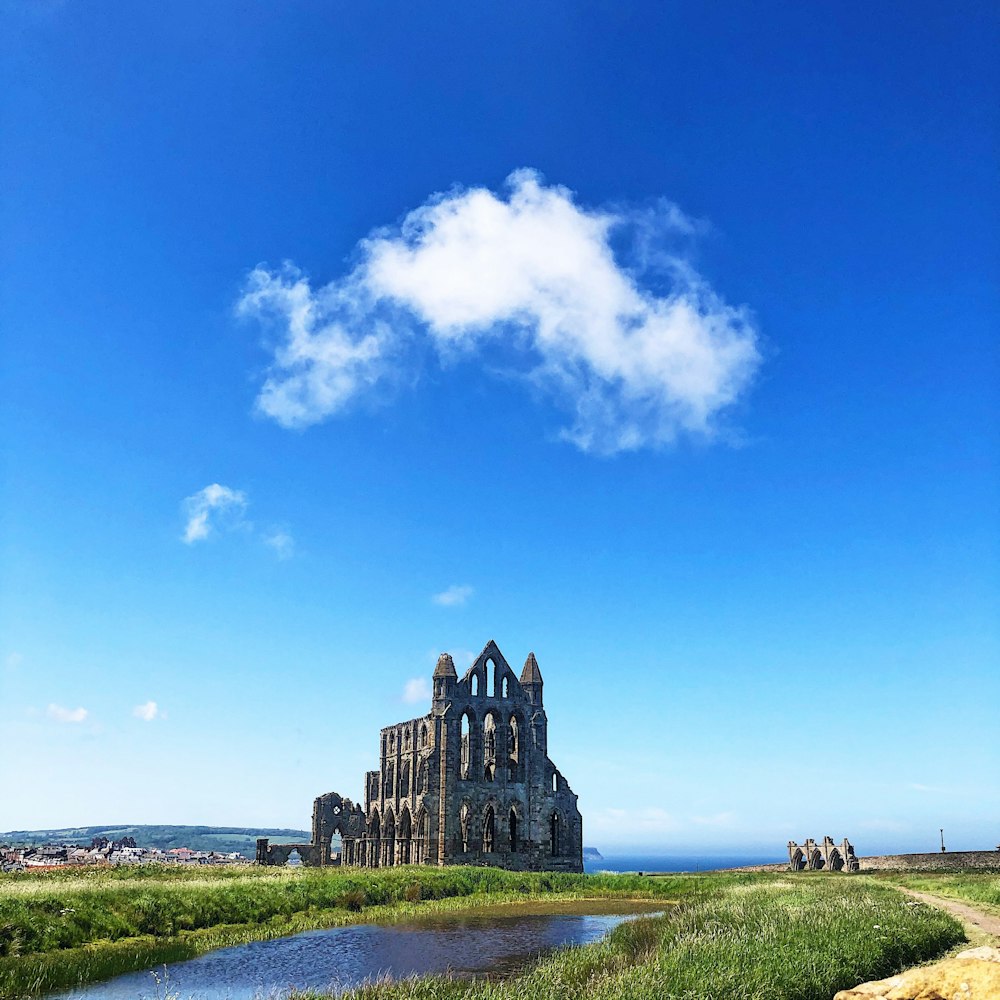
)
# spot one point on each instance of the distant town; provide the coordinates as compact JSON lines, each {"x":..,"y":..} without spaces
{"x":102,"y":851}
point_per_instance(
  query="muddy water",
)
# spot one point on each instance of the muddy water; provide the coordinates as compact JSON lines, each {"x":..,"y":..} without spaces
{"x":497,"y":942}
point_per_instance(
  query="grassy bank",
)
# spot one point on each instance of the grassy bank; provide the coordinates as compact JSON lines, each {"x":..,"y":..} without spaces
{"x":732,"y":936}
{"x":763,"y":939}
{"x":61,"y":929}
{"x":979,"y":888}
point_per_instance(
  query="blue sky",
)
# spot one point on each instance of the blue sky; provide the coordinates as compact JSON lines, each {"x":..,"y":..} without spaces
{"x":658,"y":339}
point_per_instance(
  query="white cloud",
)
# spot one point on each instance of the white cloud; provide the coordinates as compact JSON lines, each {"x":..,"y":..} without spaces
{"x":281,"y":542}
{"x":417,"y":689}
{"x":634,"y":362}
{"x":455,"y":595}
{"x":61,"y":714}
{"x":214,"y":504}
{"x":147,"y":712}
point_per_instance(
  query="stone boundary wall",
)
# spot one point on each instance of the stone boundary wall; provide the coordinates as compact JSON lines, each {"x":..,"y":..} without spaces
{"x":946,"y":861}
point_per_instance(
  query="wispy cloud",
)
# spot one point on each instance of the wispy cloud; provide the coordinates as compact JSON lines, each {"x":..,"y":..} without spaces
{"x":13,"y":660}
{"x":417,"y":689}
{"x":455,"y":595}
{"x":206,"y":509}
{"x":61,"y":714}
{"x":148,"y":711}
{"x":633,"y":357}
{"x":280,"y":542}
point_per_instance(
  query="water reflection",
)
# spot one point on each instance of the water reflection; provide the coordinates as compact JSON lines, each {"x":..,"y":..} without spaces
{"x":463,"y":944}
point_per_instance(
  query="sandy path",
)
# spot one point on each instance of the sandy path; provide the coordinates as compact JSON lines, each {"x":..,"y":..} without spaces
{"x":977,"y":918}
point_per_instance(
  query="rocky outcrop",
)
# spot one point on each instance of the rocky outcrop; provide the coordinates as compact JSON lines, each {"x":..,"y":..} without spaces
{"x":970,"y":975}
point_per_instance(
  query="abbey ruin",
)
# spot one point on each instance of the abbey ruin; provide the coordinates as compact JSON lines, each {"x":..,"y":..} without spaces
{"x":471,"y":782}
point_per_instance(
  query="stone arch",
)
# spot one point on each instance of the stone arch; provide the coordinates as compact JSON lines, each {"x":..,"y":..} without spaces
{"x":474,"y":684}
{"x":491,"y":678}
{"x":422,"y":778}
{"x":489,"y":829}
{"x":556,"y":828}
{"x":492,"y":738}
{"x":404,"y":837}
{"x":404,"y":779}
{"x":466,"y":755}
{"x":464,"y":819}
{"x":423,"y":735}
{"x":514,"y":827}
{"x":389,"y":838}
{"x":423,"y":835}
{"x":373,"y":842}
{"x":505,"y":687}
{"x":515,"y":736}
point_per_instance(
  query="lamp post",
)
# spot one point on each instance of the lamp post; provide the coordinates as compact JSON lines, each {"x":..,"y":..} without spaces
{"x":942,"y":841}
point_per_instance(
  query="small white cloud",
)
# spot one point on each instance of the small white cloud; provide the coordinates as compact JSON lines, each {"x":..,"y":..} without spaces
{"x":13,"y":660}
{"x":147,"y":712}
{"x":455,"y":595}
{"x":599,"y":308}
{"x":281,"y":542}
{"x":215,"y":504}
{"x":417,"y":689}
{"x":61,"y":714}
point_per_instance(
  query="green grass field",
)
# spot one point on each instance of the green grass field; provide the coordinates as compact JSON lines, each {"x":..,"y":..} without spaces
{"x":755,"y":937}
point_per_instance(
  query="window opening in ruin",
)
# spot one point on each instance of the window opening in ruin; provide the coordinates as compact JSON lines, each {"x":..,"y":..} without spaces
{"x":491,"y":678}
{"x":475,"y":685}
{"x":405,"y":835}
{"x":392,"y":742}
{"x":554,"y":833}
{"x":463,"y":822}
{"x":504,"y":689}
{"x":390,"y":782}
{"x":294,"y":858}
{"x":406,"y":740}
{"x":555,"y":782}
{"x":404,"y":778}
{"x":466,"y":754}
{"x":513,"y":750}
{"x":389,"y":840}
{"x":489,"y":830}
{"x":513,"y":829}
{"x":490,"y":747}
{"x":422,"y":778}
{"x":423,"y":735}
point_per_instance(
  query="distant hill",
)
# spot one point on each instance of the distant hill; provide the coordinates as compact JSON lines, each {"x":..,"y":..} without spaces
{"x":592,"y":854}
{"x":224,"y":839}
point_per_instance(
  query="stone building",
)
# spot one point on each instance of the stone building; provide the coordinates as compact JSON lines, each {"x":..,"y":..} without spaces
{"x":471,"y":782}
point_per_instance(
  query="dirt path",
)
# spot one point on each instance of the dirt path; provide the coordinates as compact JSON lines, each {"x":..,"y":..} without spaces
{"x":985,"y":922}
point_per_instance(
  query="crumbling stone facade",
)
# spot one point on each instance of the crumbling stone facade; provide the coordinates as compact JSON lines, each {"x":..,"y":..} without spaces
{"x":829,"y":855}
{"x":471,"y":782}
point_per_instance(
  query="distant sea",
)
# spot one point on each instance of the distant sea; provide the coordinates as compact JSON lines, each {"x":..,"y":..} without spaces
{"x":677,"y":862}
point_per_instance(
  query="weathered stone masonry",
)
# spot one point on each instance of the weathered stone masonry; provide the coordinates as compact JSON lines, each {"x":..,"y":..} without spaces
{"x":471,"y":782}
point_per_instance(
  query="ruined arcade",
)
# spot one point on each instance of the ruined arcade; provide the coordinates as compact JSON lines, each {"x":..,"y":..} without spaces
{"x":471,"y":782}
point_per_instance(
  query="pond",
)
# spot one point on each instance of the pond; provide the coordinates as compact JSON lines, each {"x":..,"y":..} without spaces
{"x":498,"y":941}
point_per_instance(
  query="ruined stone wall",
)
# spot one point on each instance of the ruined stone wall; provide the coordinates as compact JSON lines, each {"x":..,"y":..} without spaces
{"x":471,"y":782}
